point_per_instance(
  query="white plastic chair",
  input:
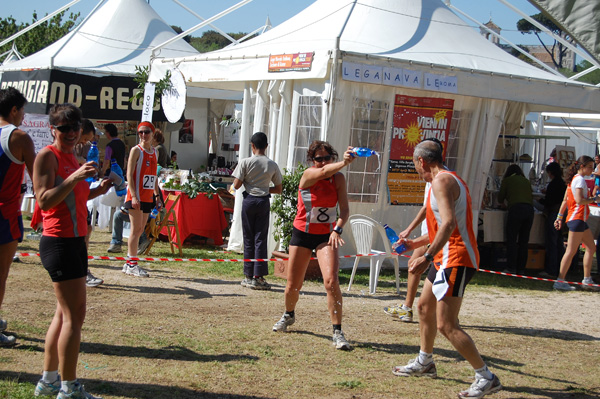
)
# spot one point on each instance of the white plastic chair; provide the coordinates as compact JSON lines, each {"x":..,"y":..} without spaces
{"x":365,"y":232}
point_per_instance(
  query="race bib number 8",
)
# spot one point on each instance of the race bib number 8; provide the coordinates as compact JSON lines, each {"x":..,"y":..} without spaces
{"x":148,"y":182}
{"x":322,"y":215}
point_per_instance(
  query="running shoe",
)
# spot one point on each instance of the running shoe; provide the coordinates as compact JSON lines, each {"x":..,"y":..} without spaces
{"x":125,"y":267}
{"x":481,"y":387}
{"x":415,"y":369}
{"x":142,"y":246}
{"x":246,"y":282}
{"x":77,"y":393}
{"x":587,"y":281}
{"x":563,"y":286}
{"x":114,"y":248}
{"x":283,"y":323}
{"x":7,"y":340}
{"x":340,"y":341}
{"x":137,"y":271}
{"x":92,"y":281}
{"x":3,"y":325}
{"x":400,"y":312}
{"x":259,"y":283}
{"x":44,"y":388}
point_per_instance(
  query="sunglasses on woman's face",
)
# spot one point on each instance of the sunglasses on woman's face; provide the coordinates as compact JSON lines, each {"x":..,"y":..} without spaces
{"x":326,"y":158}
{"x":145,"y":131}
{"x":68,"y":128}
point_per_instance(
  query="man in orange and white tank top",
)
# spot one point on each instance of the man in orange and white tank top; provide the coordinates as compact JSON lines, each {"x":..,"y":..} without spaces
{"x":453,"y":251}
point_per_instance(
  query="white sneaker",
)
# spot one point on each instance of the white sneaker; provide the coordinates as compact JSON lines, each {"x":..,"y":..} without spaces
{"x":340,"y":341}
{"x":481,"y":387}
{"x":589,"y":285}
{"x":44,"y":388}
{"x":92,"y":281}
{"x":125,"y":266}
{"x":415,"y":369}
{"x":137,"y":271}
{"x":563,"y":286}
{"x":77,"y":392}
{"x":284,"y":323}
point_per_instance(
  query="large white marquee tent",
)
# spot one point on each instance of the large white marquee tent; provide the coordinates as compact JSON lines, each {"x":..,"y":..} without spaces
{"x":364,"y":53}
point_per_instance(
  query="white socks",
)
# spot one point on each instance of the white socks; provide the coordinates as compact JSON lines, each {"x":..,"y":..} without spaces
{"x":484,"y":372}
{"x":425,"y":358}
{"x":50,"y":376}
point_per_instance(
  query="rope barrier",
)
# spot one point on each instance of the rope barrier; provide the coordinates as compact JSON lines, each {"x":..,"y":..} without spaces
{"x":123,"y":258}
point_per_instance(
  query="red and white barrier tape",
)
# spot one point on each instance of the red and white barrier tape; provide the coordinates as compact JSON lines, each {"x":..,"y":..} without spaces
{"x":276,"y":259}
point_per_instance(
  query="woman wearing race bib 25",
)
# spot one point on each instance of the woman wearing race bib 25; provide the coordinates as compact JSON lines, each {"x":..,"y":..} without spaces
{"x":318,"y":228}
{"x":142,"y":193}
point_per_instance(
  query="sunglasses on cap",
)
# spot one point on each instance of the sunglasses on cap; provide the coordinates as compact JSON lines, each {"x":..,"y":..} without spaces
{"x":68,"y":128}
{"x":145,"y":131}
{"x":326,"y":158}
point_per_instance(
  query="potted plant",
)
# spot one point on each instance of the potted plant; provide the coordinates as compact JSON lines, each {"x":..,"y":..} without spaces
{"x":284,"y":207}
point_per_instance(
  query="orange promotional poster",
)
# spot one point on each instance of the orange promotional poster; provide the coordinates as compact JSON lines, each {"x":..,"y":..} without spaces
{"x":415,"y":119}
{"x":290,"y":62}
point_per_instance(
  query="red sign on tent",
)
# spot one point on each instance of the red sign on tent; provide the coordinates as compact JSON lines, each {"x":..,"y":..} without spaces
{"x":415,"y":119}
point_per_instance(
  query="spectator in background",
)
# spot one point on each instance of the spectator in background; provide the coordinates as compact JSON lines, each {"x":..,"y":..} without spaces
{"x":516,"y":190}
{"x":174,"y":160}
{"x":142,"y":193}
{"x":88,"y":133}
{"x":16,"y":152}
{"x":115,"y":149}
{"x":577,"y":199}
{"x":555,"y":248}
{"x":256,"y":174}
{"x":158,"y":143}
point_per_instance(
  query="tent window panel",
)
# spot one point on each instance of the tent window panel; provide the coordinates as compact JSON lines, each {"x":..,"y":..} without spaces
{"x":308,"y":126}
{"x":369,"y":124}
{"x":461,"y":121}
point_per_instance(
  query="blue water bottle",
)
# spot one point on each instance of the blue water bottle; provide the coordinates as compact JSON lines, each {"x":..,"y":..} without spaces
{"x":154,"y":213}
{"x":93,"y":156}
{"x":393,"y":237}
{"x":116,"y":175}
{"x":363,"y":151}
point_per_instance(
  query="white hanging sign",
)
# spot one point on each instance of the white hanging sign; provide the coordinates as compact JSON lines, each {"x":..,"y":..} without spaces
{"x":149,"y":89}
{"x":173,"y":100}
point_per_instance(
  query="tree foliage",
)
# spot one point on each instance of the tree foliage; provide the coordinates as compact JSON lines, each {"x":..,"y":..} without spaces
{"x":557,"y":50}
{"x":284,"y":205}
{"x":212,"y":40}
{"x":40,"y":36}
{"x":178,"y":30}
{"x":591,"y":78}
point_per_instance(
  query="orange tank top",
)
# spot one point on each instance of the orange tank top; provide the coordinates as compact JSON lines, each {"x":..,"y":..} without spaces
{"x":144,"y":176}
{"x":461,"y":248}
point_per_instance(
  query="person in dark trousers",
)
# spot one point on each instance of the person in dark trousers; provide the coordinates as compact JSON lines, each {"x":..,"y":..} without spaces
{"x":115,"y":149}
{"x":555,"y":247}
{"x":516,"y":190}
{"x":256,"y":174}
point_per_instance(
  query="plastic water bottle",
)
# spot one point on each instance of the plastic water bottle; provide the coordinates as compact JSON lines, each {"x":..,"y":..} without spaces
{"x":116,"y":175}
{"x":393,"y":237}
{"x":93,"y":156}
{"x":154,"y":213}
{"x":363,"y":151}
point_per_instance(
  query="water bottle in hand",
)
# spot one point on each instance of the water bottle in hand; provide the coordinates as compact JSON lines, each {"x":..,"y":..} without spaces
{"x":93,"y":156}
{"x":116,"y":176}
{"x":154,"y":213}
{"x":363,"y":151}
{"x":393,"y":237}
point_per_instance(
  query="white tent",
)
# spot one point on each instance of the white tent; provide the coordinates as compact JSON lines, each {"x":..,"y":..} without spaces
{"x":335,"y":71}
{"x":93,"y":67}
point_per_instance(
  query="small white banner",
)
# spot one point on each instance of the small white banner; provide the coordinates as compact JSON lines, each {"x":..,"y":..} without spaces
{"x":437,"y":82}
{"x":148,"y":102}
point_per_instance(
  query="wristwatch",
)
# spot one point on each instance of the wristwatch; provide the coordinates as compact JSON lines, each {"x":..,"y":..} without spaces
{"x":428,"y":256}
{"x":338,"y":230}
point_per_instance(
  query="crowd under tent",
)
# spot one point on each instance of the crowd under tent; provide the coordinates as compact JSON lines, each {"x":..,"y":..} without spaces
{"x":381,"y":74}
{"x":93,"y":66}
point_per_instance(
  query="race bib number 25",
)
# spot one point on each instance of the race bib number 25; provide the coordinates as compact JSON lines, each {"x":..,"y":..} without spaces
{"x":148,"y":182}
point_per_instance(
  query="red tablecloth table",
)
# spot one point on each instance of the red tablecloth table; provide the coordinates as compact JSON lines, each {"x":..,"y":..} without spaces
{"x":201,"y":216}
